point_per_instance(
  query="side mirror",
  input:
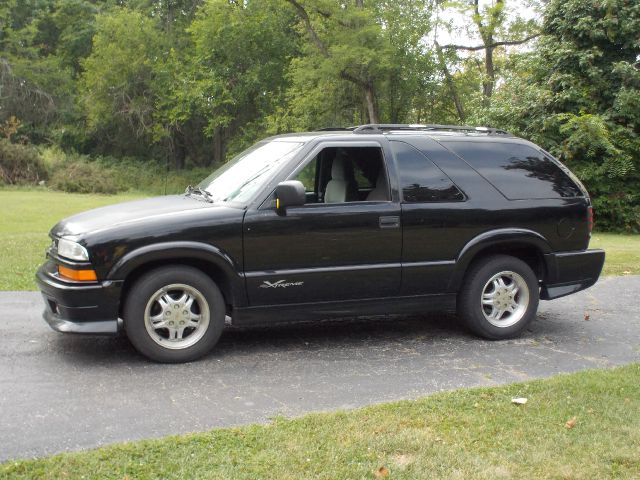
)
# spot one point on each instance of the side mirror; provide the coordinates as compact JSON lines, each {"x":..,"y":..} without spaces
{"x":290,"y":194}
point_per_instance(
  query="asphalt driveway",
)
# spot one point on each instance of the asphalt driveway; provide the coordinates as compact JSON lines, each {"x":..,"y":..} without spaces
{"x":61,"y":392}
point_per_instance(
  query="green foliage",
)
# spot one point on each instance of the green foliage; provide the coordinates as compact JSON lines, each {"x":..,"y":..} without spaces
{"x":80,"y":177}
{"x":590,"y":137}
{"x":20,"y":164}
{"x":149,"y":176}
{"x":234,"y":89}
{"x":117,"y":83}
{"x":41,"y":43}
{"x":595,"y":148}
{"x":359,"y":62}
{"x":80,"y":174}
{"x":595,"y":87}
{"x":192,"y":82}
{"x":67,"y":32}
{"x":578,"y":95}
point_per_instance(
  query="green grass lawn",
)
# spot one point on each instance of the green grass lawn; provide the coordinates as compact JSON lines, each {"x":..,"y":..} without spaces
{"x":28,"y":215}
{"x":622,"y":252}
{"x":25,"y":220}
{"x":465,"y":434}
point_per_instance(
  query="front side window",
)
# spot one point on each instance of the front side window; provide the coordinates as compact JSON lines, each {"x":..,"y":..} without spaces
{"x":420,"y":179}
{"x":308,"y":176}
{"x":345,"y":174}
{"x":242,"y":177}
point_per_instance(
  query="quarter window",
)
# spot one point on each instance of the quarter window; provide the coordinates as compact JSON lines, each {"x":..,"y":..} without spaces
{"x":518,"y":171}
{"x":421,"y":180}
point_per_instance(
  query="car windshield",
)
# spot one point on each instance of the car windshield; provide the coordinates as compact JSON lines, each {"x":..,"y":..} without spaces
{"x":239,"y":179}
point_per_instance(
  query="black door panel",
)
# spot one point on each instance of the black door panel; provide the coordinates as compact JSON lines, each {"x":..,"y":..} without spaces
{"x":321,"y":253}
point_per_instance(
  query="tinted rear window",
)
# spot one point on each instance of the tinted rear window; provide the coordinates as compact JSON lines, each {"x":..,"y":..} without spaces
{"x":420,"y":179}
{"x":518,"y":171}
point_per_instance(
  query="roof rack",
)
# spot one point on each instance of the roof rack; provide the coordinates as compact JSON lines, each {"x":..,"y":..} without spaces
{"x":375,"y":128}
{"x":335,"y":129}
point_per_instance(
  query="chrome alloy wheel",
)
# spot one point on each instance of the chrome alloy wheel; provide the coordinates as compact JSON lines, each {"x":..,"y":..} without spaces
{"x":505,"y":299}
{"x":176,"y":316}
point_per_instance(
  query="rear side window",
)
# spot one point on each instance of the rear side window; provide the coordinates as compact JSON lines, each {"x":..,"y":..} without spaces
{"x":420,"y":179}
{"x":518,"y":171}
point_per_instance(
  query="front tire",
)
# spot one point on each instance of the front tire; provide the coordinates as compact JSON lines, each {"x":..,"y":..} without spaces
{"x":499,"y":297}
{"x":174,"y":314}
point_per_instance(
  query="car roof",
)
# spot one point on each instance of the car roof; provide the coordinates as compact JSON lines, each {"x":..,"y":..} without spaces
{"x":436,"y":132}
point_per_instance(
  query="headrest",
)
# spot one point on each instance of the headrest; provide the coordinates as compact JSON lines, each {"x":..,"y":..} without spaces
{"x":338,"y":169}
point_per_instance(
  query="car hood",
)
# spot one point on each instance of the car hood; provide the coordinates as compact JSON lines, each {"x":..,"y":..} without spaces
{"x":112,"y":216}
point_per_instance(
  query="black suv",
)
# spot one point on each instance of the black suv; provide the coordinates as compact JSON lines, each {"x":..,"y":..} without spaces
{"x":342,"y":222}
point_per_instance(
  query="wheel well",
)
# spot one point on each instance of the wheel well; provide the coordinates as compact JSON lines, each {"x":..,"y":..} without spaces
{"x":212,"y":271}
{"x":527,"y":253}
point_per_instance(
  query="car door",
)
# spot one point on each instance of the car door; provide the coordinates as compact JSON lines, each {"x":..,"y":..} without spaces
{"x":321,"y":251}
{"x":438,"y":218}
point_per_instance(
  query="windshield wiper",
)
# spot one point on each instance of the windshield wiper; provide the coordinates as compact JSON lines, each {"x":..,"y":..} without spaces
{"x":198,"y":191}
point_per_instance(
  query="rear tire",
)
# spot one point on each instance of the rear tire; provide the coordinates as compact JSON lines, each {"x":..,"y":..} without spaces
{"x":174,"y":314}
{"x":499,"y":297}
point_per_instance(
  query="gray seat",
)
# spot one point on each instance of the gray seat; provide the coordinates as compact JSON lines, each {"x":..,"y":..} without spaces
{"x":341,"y":186}
{"x":381,"y":190}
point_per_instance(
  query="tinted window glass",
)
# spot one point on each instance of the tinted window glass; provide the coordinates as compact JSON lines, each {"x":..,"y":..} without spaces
{"x":420,"y":179}
{"x":518,"y":171}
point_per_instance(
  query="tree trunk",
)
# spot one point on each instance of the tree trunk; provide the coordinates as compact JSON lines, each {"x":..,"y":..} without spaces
{"x":370,"y":99}
{"x":490,"y":79}
{"x":178,"y":151}
{"x":450,"y":84}
{"x":364,"y":85}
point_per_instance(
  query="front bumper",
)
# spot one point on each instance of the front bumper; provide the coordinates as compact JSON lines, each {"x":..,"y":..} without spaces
{"x":570,"y":272}
{"x":79,"y":307}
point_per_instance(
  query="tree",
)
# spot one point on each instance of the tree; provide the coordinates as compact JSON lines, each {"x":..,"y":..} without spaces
{"x":578,"y":94}
{"x":497,"y":26}
{"x":406,"y":89}
{"x":36,"y":82}
{"x":591,"y":51}
{"x":345,"y":44}
{"x":117,"y":85}
{"x":362,"y":62}
{"x":234,"y":72}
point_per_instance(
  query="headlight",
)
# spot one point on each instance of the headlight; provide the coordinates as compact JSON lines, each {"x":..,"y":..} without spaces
{"x":72,"y":250}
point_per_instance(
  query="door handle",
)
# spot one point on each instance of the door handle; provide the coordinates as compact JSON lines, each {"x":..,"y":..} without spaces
{"x":389,"y":222}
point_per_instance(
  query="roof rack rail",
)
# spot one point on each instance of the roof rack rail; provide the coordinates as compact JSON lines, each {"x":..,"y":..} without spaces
{"x":374,"y":128}
{"x":335,"y":129}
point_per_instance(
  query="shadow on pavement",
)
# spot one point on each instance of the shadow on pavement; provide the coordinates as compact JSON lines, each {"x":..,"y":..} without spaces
{"x":339,"y":333}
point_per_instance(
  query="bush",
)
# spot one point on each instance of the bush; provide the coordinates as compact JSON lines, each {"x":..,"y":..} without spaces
{"x":150,"y":176}
{"x":84,"y":177}
{"x":77,"y":173}
{"x":20,"y":164}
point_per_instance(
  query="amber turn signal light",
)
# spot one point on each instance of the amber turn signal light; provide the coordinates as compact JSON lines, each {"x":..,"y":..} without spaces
{"x":77,"y":275}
